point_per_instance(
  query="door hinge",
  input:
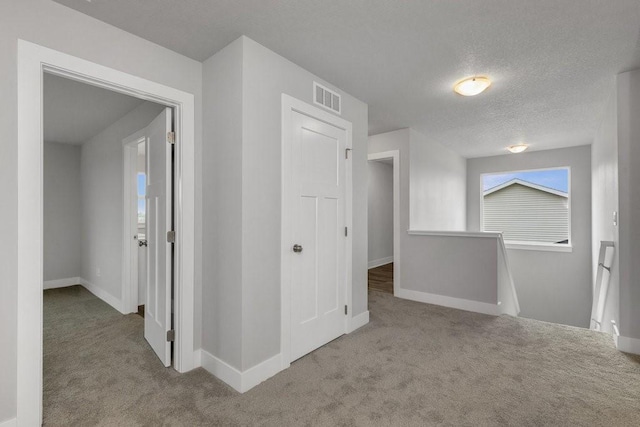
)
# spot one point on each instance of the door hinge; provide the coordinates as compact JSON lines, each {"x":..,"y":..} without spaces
{"x":345,"y":309}
{"x":346,"y":232}
{"x":171,"y":137}
{"x":346,"y":153}
{"x":171,"y":335}
{"x":171,"y":236}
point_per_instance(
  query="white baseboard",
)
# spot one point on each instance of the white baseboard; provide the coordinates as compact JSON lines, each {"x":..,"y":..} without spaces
{"x":241,"y":381}
{"x":103,"y":295}
{"x":382,"y":261}
{"x":59,"y":283}
{"x":197,"y":359}
{"x":628,"y":345}
{"x":9,"y":423}
{"x":358,"y":321}
{"x":446,"y":301}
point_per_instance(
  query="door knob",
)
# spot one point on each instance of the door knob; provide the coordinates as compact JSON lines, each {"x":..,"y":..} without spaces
{"x":297,"y":248}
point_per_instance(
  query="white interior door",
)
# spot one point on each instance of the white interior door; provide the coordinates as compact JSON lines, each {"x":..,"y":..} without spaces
{"x":157,"y":314}
{"x":318,"y":275}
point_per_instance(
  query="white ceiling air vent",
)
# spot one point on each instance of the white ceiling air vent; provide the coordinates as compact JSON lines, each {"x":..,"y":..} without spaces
{"x":327,"y":98}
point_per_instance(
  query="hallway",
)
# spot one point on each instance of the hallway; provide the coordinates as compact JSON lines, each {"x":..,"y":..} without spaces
{"x":414,"y":364}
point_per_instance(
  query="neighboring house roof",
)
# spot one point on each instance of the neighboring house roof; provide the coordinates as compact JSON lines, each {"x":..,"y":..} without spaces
{"x":526,"y":184}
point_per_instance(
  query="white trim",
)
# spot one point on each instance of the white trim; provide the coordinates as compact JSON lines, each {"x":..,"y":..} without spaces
{"x":485,"y":234}
{"x":358,"y":321}
{"x":627,"y":344}
{"x":61,"y":283}
{"x":290,"y":104}
{"x":33,"y":60}
{"x":103,"y":295}
{"x":378,"y":262}
{"x":129,"y":221}
{"x":395,"y":156}
{"x":9,"y":423}
{"x":241,"y":381}
{"x":537,"y":246}
{"x":447,"y":301}
{"x":221,"y":370}
{"x":512,"y":284}
{"x":525,"y":184}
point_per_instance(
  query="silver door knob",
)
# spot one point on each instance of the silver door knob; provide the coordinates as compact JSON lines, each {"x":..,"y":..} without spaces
{"x":297,"y":248}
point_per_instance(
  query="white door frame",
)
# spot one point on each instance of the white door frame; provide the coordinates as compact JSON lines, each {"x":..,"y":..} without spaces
{"x":290,"y":105}
{"x":130,"y":260}
{"x":395,"y":156}
{"x":33,"y":61}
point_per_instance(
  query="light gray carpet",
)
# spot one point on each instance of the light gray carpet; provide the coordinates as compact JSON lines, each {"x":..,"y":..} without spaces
{"x":414,"y":364}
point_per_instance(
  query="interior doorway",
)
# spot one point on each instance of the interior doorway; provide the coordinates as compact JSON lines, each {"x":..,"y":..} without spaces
{"x":384,"y":222}
{"x":85,"y":304}
{"x":33,"y":62}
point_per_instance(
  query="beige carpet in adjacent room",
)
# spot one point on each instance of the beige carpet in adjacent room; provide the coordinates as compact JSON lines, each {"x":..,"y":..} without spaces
{"x":413,"y":364}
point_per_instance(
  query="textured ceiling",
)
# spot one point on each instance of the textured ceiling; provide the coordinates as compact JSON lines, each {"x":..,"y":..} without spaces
{"x":553,"y":62}
{"x":74,"y":112}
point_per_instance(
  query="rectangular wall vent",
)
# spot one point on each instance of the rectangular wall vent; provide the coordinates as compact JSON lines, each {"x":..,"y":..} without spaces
{"x":326,"y":98}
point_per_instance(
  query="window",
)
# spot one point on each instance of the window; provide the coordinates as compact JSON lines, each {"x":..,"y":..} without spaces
{"x":142,"y":189}
{"x":530,"y":208}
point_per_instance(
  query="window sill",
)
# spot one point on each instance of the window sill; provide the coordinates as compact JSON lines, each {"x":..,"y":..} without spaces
{"x":543,"y":247}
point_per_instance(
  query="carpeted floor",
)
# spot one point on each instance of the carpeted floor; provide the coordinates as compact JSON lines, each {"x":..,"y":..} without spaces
{"x":413,"y":364}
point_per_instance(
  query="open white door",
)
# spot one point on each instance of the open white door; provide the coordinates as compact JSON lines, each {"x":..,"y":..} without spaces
{"x":317,"y":257}
{"x":157,"y":314}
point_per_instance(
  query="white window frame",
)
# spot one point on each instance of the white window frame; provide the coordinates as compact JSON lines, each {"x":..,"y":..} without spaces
{"x":525,"y":245}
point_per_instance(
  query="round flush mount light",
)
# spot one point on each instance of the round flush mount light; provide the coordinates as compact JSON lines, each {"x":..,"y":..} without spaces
{"x":518,"y":148}
{"x":472,"y":86}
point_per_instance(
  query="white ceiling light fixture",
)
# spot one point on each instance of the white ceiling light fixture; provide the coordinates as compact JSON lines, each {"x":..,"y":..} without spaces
{"x":472,"y":86}
{"x":518,"y":148}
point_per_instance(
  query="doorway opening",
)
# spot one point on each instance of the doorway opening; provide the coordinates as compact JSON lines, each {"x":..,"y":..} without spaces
{"x":384,"y":222}
{"x":86,"y":297}
{"x":33,"y":63}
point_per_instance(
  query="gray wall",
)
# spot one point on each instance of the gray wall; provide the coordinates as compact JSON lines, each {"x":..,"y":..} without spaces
{"x":380,"y":206}
{"x":222,"y":201}
{"x":432,"y":187}
{"x":62,"y":211}
{"x":53,"y":25}
{"x":266,"y":75}
{"x":628,"y":125}
{"x":101,"y":175}
{"x":551,"y":286}
{"x":438,"y":186}
{"x":243,"y":134}
{"x":604,"y":202}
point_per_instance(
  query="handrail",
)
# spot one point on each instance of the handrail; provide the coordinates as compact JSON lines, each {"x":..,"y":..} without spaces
{"x":511,"y":284}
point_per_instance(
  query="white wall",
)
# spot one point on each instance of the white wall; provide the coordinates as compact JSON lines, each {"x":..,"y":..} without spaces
{"x":380,"y":208}
{"x":438,"y":186}
{"x":243,"y":87}
{"x":101,"y":167}
{"x":551,"y":286}
{"x":604,"y":202}
{"x":628,"y":126}
{"x":52,"y":25}
{"x":62,"y":211}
